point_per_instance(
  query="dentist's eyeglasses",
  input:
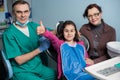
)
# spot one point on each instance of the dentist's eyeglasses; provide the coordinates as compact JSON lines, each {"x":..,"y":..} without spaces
{"x":94,"y":15}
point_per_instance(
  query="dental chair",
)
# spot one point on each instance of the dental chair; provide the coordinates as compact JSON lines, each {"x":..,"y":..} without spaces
{"x":52,"y":53}
{"x":6,"y":72}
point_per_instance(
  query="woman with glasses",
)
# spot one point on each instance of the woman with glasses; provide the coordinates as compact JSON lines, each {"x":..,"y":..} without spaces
{"x":98,"y":33}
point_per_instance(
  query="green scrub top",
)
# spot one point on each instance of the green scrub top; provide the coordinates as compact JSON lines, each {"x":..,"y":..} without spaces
{"x":16,"y":43}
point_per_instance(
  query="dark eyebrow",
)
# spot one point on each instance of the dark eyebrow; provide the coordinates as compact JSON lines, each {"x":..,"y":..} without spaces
{"x":22,"y":11}
{"x":18,"y":11}
{"x":26,"y":11}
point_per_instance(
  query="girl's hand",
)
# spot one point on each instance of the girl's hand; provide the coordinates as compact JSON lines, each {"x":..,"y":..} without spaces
{"x":40,"y":29}
{"x":89,"y":61}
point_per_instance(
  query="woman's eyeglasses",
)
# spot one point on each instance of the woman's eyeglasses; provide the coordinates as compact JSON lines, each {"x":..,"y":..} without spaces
{"x":95,"y":15}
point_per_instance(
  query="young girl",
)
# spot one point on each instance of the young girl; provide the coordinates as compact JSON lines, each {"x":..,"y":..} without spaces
{"x":72,"y":56}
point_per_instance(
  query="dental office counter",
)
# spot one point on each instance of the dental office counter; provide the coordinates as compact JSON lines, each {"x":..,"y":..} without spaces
{"x":94,"y":69}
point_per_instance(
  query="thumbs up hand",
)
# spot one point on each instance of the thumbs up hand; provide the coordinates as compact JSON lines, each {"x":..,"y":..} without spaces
{"x":40,"y":29}
{"x":44,"y":42}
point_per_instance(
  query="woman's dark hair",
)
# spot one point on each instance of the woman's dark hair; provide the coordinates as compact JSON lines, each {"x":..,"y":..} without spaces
{"x":90,"y":7}
{"x":19,"y":2}
{"x":68,"y":22}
